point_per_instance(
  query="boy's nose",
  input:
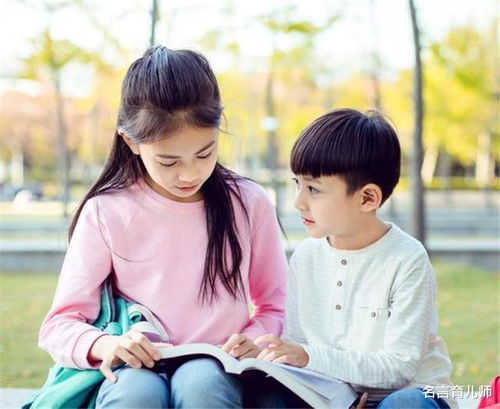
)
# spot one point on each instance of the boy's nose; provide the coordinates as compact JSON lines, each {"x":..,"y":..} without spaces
{"x":300,"y":204}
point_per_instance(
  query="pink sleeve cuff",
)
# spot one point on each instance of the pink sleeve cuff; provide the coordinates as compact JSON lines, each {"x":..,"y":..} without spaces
{"x":82,"y":348}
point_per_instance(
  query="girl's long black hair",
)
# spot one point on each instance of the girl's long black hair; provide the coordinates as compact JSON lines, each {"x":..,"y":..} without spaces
{"x":162,"y":91}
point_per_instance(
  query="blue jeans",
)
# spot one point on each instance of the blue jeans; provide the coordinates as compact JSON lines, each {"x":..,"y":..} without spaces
{"x":196,"y":383}
{"x":274,"y":395}
{"x":411,"y":398}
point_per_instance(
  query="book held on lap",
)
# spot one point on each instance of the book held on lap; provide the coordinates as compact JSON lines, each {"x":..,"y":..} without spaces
{"x":317,"y":390}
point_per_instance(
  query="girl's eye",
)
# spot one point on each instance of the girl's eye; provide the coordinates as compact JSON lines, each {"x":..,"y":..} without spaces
{"x":168,"y":164}
{"x":313,"y":190}
{"x":204,"y":157}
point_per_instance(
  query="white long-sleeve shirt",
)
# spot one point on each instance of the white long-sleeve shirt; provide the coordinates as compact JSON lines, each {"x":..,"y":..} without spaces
{"x":367,"y":316}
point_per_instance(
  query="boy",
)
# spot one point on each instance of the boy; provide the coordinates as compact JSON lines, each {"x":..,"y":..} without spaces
{"x":361,"y":298}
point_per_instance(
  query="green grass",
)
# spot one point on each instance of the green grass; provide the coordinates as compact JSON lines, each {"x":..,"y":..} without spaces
{"x":25,"y":299}
{"x":468,"y":303}
{"x":469,"y":306}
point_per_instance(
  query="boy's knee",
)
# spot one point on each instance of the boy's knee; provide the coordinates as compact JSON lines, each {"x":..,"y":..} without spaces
{"x":134,"y":388}
{"x":408,"y":398}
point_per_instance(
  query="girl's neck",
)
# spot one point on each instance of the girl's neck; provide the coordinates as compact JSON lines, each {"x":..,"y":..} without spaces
{"x":371,"y":230}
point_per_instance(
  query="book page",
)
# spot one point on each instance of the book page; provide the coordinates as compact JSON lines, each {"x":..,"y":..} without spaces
{"x":230,"y":363}
{"x":322,"y":384}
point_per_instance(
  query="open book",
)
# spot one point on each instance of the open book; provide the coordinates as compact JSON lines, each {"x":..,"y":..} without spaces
{"x":317,"y":390}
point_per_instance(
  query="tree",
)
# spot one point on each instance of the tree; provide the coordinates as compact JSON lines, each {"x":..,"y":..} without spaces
{"x":285,"y":24}
{"x":48,"y":60}
{"x":417,"y":208}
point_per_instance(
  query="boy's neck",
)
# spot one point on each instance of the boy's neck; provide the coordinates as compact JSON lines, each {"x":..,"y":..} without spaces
{"x":373,"y":229}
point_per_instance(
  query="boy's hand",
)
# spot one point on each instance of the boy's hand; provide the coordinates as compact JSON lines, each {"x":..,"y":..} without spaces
{"x":241,"y":347}
{"x":362,"y":402}
{"x":282,"y":352}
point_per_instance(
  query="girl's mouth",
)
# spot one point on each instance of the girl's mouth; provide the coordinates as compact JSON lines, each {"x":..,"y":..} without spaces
{"x":187,"y":189}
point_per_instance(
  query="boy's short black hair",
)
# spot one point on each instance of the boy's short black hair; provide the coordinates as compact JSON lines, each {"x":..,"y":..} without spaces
{"x":360,"y":148}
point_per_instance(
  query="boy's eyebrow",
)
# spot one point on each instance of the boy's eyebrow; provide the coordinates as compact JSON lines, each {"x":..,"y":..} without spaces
{"x":164,"y":156}
{"x":311,"y":179}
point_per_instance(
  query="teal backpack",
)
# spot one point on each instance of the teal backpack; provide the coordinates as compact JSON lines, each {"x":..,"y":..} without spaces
{"x":78,"y":388}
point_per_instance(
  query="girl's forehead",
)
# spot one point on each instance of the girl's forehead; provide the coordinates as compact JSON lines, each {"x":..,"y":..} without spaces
{"x":185,"y":139}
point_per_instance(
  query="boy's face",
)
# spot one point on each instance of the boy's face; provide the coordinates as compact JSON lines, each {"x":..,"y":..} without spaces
{"x":325,"y":207}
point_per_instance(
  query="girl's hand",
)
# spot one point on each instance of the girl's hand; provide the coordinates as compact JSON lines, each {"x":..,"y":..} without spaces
{"x":132,"y":348}
{"x":282,"y":352}
{"x":241,"y":347}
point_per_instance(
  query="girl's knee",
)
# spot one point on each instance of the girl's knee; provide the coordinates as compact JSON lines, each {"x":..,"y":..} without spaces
{"x":134,"y":388}
{"x":204,"y":383}
{"x":203,"y":372}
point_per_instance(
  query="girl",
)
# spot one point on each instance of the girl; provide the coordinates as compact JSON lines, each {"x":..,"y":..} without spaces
{"x":179,"y":234}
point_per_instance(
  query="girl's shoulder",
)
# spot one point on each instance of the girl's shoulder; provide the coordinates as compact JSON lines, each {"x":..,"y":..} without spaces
{"x":114,"y":204}
{"x":253,"y":196}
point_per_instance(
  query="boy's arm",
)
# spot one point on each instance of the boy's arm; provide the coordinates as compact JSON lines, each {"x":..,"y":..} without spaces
{"x":408,"y":331}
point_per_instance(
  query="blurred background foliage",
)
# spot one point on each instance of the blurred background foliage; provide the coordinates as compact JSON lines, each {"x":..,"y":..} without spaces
{"x":44,"y":128}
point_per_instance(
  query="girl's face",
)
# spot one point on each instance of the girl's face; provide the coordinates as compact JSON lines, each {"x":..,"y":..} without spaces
{"x":179,"y":165}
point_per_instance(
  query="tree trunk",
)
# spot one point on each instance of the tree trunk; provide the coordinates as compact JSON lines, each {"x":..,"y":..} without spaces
{"x":61,"y":141}
{"x":272,"y":158}
{"x":154,"y":19}
{"x":484,"y":164}
{"x":429,"y":164}
{"x":417,"y":186}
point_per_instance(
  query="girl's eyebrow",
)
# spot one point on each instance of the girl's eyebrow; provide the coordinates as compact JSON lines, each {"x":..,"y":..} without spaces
{"x":164,"y":156}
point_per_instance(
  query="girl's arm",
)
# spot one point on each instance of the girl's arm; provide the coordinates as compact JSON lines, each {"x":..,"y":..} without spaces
{"x":267,"y":276}
{"x":66,"y":333}
{"x":409,"y":330}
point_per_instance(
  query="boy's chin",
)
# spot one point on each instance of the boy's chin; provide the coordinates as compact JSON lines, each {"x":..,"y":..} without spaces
{"x":316,"y":234}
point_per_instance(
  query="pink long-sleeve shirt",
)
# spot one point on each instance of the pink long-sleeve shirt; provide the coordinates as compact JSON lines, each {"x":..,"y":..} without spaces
{"x":156,"y":248}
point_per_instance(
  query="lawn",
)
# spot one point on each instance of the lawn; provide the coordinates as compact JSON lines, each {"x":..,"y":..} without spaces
{"x":468,"y":302}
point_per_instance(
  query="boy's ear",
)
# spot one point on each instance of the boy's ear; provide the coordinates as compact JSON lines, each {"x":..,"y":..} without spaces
{"x":371,"y":197}
{"x":133,"y":147}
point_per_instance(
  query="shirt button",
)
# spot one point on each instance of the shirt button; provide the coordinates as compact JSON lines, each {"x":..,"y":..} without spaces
{"x":338,"y":307}
{"x":339,"y":283}
{"x":343,"y":262}
{"x":373,"y":314}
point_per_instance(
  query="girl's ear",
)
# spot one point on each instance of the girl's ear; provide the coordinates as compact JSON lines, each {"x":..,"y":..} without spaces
{"x":371,"y":197}
{"x":133,"y":147}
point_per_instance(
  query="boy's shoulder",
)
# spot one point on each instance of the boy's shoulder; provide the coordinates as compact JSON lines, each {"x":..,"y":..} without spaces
{"x":396,"y":242}
{"x":404,"y":244}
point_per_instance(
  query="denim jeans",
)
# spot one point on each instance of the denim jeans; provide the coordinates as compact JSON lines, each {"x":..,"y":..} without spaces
{"x":276,"y":396}
{"x":411,"y":398}
{"x":196,"y":383}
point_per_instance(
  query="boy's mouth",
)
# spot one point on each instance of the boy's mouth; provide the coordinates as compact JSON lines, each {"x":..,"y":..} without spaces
{"x":307,"y":221}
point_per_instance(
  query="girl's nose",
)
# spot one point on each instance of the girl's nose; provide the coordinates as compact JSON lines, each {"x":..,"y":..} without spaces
{"x":188,"y":175}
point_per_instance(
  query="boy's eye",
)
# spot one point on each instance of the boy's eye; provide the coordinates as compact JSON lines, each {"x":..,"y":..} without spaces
{"x":312,"y":190}
{"x":296,"y":182}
